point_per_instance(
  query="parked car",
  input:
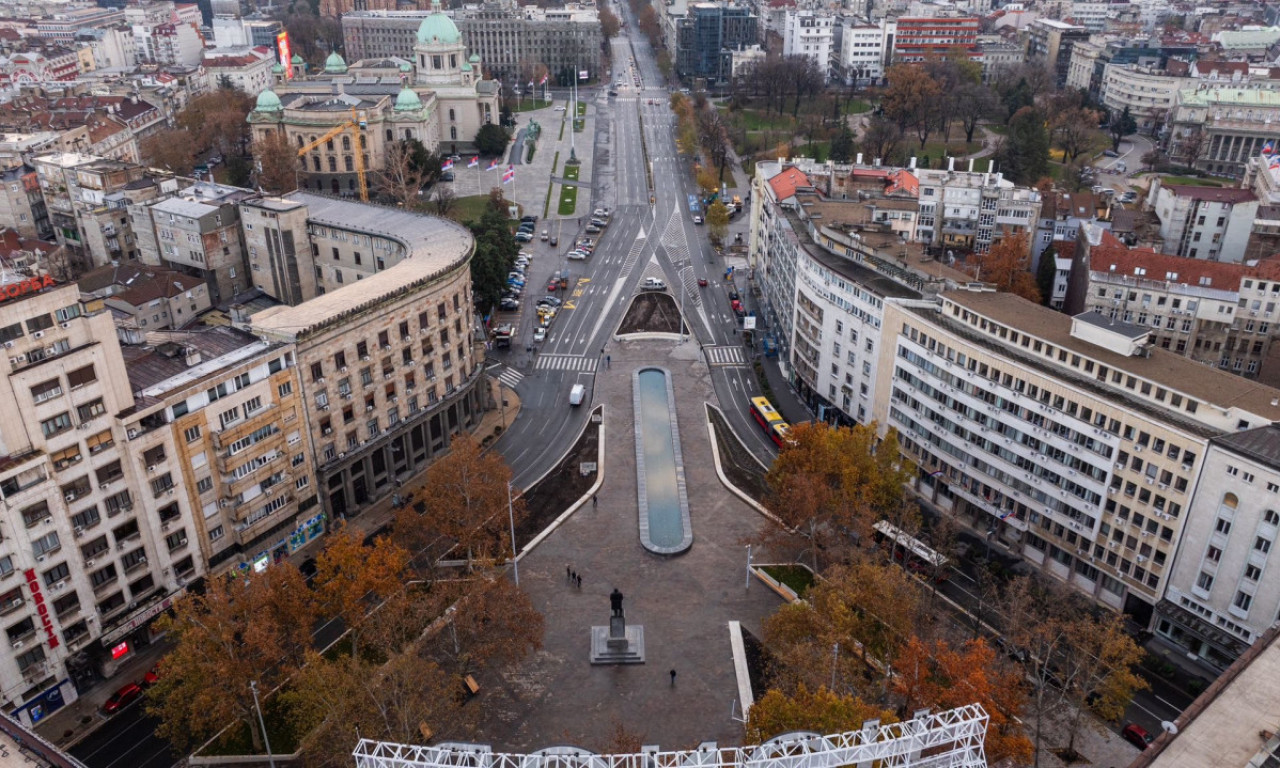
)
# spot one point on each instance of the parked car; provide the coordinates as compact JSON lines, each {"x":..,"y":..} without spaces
{"x":576,"y":255}
{"x":652,"y":284}
{"x":446,"y":176}
{"x":1129,"y":197}
{"x":523,"y":237}
{"x":591,"y":230}
{"x":1110,"y":153}
{"x":121,"y":698}
{"x":539,"y":334}
{"x":599,"y":223}
{"x":151,"y":677}
{"x":697,"y":218}
{"x":733,"y":295}
{"x":529,"y":217}
{"x":509,"y":305}
{"x":554,"y":241}
{"x":1137,"y":736}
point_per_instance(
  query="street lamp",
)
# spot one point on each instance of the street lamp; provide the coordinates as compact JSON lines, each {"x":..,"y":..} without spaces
{"x":511,"y":518}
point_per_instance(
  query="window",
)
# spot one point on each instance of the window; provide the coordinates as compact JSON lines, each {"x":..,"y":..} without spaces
{"x":46,"y":544}
{"x":35,"y":514}
{"x":55,"y":425}
{"x":216,"y":533}
{"x":285,"y":389}
{"x":56,"y":573}
{"x":46,"y":390}
{"x":229,"y":416}
{"x":1243,"y":601}
{"x":90,"y":410}
{"x":86,"y":519}
{"x":1252,"y":572}
{"x":192,"y":434}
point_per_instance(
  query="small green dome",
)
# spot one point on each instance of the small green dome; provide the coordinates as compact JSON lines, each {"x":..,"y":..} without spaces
{"x":475,"y":58}
{"x":335,"y":65}
{"x":408,"y":101}
{"x":438,"y":28}
{"x":466,"y":67}
{"x":277,"y":68}
{"x":406,"y":67}
{"x":297,"y":60}
{"x":268,"y":101}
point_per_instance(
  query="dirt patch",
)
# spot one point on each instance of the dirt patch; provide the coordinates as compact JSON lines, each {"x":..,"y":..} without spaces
{"x":758,"y":664}
{"x":652,"y":312}
{"x":564,"y":485}
{"x":738,"y":464}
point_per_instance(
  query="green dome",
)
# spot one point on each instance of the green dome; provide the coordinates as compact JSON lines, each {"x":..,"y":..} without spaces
{"x":278,"y":68}
{"x":334,"y":65}
{"x":297,"y":60}
{"x":268,"y":101}
{"x":408,"y":101}
{"x":438,"y":28}
{"x":466,"y":67}
{"x":475,"y":58}
{"x":406,"y":67}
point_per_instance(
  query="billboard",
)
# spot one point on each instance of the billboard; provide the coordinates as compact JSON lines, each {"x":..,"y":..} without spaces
{"x":286,"y":54}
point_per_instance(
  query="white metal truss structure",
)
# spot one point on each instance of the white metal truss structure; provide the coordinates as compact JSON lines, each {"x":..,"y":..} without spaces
{"x":949,"y":739}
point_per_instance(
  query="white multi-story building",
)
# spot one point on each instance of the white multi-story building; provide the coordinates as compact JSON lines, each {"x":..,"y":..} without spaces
{"x":970,"y":211}
{"x":1070,"y":437}
{"x":1148,"y":93}
{"x":862,"y":51}
{"x":1204,"y":222}
{"x":810,"y":34}
{"x":1090,"y":15}
{"x":248,"y":69}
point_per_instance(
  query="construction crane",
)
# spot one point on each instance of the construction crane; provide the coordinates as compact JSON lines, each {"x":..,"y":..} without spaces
{"x":357,"y":122}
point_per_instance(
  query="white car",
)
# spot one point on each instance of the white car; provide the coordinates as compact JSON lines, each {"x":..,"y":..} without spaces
{"x":576,"y":255}
{"x":560,"y":108}
{"x":539,"y":334}
{"x":653,"y":284}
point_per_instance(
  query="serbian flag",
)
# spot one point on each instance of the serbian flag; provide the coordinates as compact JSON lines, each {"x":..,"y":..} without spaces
{"x":1269,"y":148}
{"x":1275,"y":162}
{"x":493,"y":165}
{"x":473,"y":161}
{"x":543,"y":81}
{"x":509,"y":174}
{"x":447,"y":165}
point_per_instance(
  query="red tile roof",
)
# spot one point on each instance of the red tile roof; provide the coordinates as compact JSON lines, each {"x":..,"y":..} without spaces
{"x":1111,"y":255}
{"x":1212,"y":194}
{"x":785,"y":183}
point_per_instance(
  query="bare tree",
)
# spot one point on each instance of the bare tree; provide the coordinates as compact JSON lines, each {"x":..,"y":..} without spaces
{"x":401,"y":177}
{"x":444,"y":199}
{"x":276,"y":163}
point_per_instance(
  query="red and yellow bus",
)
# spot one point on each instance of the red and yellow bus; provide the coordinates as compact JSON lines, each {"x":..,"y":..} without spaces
{"x":769,"y":420}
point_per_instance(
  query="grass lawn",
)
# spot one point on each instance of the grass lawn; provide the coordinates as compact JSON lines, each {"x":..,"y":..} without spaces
{"x":528,"y":105}
{"x":935,"y":150}
{"x":568,"y":194}
{"x":582,"y":109}
{"x":794,"y":576}
{"x":857,"y":107}
{"x":469,"y":208}
{"x":999,"y":128}
{"x":757,"y":120}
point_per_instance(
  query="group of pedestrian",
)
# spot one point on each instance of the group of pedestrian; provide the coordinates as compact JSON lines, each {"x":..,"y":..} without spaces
{"x":574,"y":578}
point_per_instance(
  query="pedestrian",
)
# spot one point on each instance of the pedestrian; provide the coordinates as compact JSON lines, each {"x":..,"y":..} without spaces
{"x":579,"y":581}
{"x":594,"y":501}
{"x":573,"y":575}
{"x":568,"y":572}
{"x":608,"y":361}
{"x":673,"y":678}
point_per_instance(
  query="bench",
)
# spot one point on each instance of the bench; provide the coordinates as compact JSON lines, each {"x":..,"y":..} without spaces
{"x":471,"y":685}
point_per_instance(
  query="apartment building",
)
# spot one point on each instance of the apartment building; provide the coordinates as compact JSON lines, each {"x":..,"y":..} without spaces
{"x":1148,"y":93}
{"x":970,"y":211}
{"x":1061,"y":215}
{"x":248,"y":69}
{"x":233,"y":445}
{"x":861,"y":53}
{"x":1222,"y":596}
{"x":1049,"y":44}
{"x":810,"y":34}
{"x":74,"y":185}
{"x":22,"y":205}
{"x":706,"y":35}
{"x":1070,"y":438}
{"x":1204,"y":222}
{"x":919,"y":39}
{"x":390,"y":370}
{"x":83,"y":567}
{"x":197,"y":232}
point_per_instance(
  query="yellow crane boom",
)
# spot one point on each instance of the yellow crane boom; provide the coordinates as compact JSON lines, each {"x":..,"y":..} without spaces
{"x":354,"y":125}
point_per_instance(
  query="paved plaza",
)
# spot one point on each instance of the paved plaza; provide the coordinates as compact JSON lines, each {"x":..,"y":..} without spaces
{"x":684,"y":602}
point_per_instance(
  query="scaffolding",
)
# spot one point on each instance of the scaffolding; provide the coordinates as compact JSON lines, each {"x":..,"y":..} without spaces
{"x":949,"y":739}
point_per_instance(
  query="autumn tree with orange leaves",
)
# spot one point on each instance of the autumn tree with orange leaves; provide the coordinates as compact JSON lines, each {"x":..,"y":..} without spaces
{"x":352,"y":578}
{"x":939,"y":675}
{"x":829,"y":485}
{"x":820,"y":711}
{"x":1008,"y":266}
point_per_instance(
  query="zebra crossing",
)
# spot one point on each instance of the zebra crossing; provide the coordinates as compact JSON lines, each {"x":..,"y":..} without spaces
{"x":725,"y":356}
{"x":509,"y":376}
{"x":577,"y":363}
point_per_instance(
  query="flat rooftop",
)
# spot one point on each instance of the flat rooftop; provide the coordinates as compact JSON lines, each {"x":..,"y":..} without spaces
{"x":161,"y":365}
{"x":1175,"y":372}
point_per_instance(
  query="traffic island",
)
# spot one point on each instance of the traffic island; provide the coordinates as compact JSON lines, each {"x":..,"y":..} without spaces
{"x":568,"y":192}
{"x":743,"y":472}
{"x":652,"y":315}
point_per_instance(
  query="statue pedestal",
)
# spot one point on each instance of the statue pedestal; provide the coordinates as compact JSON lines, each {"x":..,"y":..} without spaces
{"x":617,"y":643}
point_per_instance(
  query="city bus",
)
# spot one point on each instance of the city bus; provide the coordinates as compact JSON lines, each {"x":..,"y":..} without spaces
{"x":769,"y":420}
{"x":910,"y":551}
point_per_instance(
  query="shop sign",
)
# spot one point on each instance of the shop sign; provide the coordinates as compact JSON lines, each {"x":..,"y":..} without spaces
{"x":42,"y":608}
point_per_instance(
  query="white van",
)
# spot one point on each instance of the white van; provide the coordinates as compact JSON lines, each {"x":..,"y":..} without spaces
{"x":576,"y":394}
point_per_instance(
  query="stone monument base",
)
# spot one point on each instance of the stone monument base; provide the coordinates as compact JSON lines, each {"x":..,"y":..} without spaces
{"x":607,"y":648}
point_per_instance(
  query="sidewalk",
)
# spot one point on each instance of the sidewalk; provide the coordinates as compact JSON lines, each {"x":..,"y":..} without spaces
{"x":74,"y":722}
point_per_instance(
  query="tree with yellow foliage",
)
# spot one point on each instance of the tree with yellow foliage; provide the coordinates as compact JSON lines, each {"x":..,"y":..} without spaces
{"x":821,"y":711}
{"x":1008,"y":266}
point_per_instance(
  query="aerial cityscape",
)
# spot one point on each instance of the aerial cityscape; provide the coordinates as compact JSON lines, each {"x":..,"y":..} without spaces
{"x":645,"y":384}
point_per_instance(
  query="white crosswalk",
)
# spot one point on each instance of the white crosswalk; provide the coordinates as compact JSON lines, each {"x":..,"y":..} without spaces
{"x":566,"y":363}
{"x":509,"y":376}
{"x":725,"y":356}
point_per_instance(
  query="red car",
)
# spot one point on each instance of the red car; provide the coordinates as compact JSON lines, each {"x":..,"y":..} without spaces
{"x":1137,"y":736}
{"x":122,"y":698}
{"x":152,"y":677}
{"x":702,"y":282}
